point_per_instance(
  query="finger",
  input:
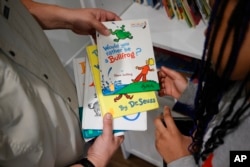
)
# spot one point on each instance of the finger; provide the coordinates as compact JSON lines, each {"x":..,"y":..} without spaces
{"x":168,"y":119}
{"x":100,"y":28}
{"x":171,"y":73}
{"x":168,"y":86}
{"x":161,"y":74}
{"x":161,"y":93}
{"x":159,"y":126}
{"x":107,"y":125}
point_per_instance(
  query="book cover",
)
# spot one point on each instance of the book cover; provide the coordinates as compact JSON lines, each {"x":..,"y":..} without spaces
{"x":79,"y":67}
{"x":122,"y":104}
{"x":92,"y":119}
{"x":90,"y":103}
{"x":79,"y":74}
{"x":126,"y":58}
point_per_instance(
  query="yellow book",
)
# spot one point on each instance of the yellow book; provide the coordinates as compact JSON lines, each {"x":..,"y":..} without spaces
{"x":123,"y":104}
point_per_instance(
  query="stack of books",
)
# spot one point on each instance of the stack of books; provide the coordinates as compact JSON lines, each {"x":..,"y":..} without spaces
{"x":120,"y":77}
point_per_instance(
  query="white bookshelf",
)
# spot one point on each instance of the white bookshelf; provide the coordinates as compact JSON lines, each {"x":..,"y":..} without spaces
{"x":172,"y":35}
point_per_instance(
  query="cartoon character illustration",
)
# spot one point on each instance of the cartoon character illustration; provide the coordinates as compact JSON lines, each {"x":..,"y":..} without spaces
{"x":94,"y":105}
{"x":121,"y":33}
{"x":111,"y":87}
{"x":144,"y":70}
{"x":120,"y":96}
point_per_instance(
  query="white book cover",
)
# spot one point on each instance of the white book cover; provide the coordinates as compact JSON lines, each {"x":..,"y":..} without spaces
{"x":126,"y":58}
{"x":92,"y":118}
{"x":92,"y":113}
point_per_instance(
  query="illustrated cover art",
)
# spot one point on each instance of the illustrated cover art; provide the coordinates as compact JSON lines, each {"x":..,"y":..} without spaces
{"x":126,"y":58}
{"x":90,"y":104}
{"x":79,"y":65}
{"x":92,"y":118}
{"x":121,"y":104}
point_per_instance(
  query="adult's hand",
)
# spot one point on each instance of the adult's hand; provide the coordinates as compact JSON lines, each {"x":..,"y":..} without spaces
{"x":105,"y":145}
{"x":83,"y":21}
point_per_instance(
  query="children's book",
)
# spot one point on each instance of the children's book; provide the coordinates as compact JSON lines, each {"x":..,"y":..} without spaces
{"x":90,"y":104}
{"x":126,"y":58}
{"x":121,"y":104}
{"x":92,"y":118}
{"x":79,"y":74}
{"x":79,"y":65}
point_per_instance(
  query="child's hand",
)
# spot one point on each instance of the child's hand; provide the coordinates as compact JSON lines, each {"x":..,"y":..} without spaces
{"x":172,"y":83}
{"x":169,"y":141}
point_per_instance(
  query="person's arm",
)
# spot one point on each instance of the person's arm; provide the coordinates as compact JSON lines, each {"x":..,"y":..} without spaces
{"x":104,"y":146}
{"x":84,"y":21}
{"x":169,"y":142}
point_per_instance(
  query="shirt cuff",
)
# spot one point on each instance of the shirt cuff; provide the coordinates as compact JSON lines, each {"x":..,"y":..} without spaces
{"x":187,"y":161}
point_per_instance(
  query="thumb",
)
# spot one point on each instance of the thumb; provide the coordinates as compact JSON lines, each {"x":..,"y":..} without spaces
{"x":107,"y":125}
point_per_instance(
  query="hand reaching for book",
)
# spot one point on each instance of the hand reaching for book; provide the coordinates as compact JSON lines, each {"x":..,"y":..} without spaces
{"x":105,"y":145}
{"x":171,"y":82}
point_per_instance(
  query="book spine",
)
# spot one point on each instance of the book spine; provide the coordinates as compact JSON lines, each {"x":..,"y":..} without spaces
{"x":168,"y":8}
{"x":187,"y":14}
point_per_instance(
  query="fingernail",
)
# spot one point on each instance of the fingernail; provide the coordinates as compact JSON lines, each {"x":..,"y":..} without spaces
{"x":109,"y":116}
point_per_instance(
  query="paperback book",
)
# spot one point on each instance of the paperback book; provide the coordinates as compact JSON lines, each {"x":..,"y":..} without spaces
{"x":92,"y":118}
{"x":121,"y":104}
{"x":126,"y":58}
{"x":79,"y":66}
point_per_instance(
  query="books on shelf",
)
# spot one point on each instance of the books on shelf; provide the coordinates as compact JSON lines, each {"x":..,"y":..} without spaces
{"x":126,"y":58}
{"x":195,"y":11}
{"x":121,"y":104}
{"x":168,"y":8}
